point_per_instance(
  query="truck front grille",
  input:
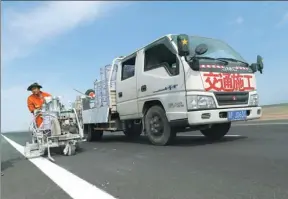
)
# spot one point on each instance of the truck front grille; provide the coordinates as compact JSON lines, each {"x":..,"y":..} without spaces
{"x":231,"y":98}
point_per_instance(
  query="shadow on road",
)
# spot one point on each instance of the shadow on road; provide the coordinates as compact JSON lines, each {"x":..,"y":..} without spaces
{"x":200,"y":140}
{"x":9,"y":163}
{"x":179,"y":141}
{"x":58,"y":151}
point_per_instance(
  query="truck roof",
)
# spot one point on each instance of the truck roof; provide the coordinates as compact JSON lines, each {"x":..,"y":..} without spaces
{"x":169,"y":36}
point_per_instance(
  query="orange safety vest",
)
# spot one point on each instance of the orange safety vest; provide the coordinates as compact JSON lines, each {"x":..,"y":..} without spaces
{"x":36,"y":102}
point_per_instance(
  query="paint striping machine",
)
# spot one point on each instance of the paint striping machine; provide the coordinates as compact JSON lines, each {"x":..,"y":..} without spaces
{"x":60,"y":129}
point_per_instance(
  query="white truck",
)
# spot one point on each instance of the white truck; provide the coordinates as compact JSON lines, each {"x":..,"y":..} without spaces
{"x":175,"y":84}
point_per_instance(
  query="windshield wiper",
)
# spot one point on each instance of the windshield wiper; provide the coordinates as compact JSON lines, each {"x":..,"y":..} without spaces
{"x":234,"y":60}
{"x":211,"y":58}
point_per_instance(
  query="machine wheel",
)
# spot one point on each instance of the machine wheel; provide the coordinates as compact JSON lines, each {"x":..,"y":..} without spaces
{"x":132,"y":130}
{"x":217,"y":131}
{"x":157,"y":127}
{"x":71,"y":150}
{"x":77,"y":146}
{"x":93,"y":135}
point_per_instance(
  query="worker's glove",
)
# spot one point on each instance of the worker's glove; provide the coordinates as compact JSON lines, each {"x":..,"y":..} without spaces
{"x":36,"y":111}
{"x":48,"y":99}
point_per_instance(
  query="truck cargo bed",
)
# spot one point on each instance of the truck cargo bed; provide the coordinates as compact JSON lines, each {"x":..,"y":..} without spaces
{"x":105,"y":98}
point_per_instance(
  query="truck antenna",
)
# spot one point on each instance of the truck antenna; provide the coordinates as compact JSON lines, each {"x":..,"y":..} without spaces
{"x":80,"y":92}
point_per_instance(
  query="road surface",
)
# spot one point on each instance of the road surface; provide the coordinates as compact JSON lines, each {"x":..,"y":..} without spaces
{"x":250,"y":163}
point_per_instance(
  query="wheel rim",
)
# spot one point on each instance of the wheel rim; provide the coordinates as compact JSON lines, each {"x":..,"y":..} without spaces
{"x":156,"y":126}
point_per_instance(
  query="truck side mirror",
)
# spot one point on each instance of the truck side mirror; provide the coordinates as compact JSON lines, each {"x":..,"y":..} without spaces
{"x":201,"y":49}
{"x":254,"y":67}
{"x":260,"y":63}
{"x":183,"y":45}
{"x":258,"y":66}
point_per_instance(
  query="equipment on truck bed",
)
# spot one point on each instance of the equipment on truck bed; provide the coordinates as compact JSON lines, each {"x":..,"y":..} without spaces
{"x":174,"y":84}
{"x":60,"y":129}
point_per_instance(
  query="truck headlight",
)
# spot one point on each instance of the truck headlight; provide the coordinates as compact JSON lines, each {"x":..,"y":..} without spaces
{"x":200,"y":102}
{"x":254,"y":100}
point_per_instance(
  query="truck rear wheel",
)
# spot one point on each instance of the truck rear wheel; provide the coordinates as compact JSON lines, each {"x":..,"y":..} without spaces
{"x":132,"y":130}
{"x":93,"y":135}
{"x":217,"y":131}
{"x":157,"y":127}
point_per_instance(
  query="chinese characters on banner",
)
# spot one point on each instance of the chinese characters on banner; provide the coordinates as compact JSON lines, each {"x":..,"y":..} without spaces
{"x":228,"y":81}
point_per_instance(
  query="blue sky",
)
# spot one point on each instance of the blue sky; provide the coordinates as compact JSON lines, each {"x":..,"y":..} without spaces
{"x":62,"y":44}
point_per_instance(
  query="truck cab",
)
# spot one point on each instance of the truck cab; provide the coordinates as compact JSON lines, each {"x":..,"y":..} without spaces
{"x":180,"y":82}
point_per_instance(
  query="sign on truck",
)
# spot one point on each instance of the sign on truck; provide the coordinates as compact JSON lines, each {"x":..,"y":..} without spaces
{"x":177,"y":83}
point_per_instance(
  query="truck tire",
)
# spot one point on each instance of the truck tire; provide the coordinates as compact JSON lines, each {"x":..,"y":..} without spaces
{"x":157,"y":127}
{"x":89,"y":133}
{"x":93,"y":135}
{"x":217,"y":131}
{"x":132,"y":130}
{"x":98,"y":134}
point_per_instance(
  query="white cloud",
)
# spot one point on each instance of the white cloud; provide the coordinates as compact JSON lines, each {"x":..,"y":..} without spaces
{"x":283,"y":21}
{"x":23,"y":31}
{"x":238,"y":21}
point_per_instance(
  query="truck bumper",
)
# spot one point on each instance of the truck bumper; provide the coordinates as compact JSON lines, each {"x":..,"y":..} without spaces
{"x":220,"y":115}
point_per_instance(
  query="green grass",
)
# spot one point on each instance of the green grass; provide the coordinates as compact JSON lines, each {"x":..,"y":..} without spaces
{"x":275,"y":105}
{"x":275,"y":109}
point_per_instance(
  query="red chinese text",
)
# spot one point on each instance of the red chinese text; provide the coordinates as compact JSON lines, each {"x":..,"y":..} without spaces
{"x":227,"y":82}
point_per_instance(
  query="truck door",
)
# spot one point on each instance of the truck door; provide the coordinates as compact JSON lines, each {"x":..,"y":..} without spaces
{"x":126,"y":89}
{"x":161,"y":78}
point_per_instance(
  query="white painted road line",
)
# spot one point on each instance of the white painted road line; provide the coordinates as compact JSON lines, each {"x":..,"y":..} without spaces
{"x":261,"y":124}
{"x":73,"y":185}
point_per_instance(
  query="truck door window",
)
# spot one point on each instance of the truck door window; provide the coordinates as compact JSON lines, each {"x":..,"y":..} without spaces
{"x":128,"y":68}
{"x":161,"y":56}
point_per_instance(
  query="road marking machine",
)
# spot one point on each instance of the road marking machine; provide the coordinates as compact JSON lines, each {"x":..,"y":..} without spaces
{"x":60,"y":129}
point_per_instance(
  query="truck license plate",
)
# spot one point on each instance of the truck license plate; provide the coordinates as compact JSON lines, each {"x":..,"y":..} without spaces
{"x":237,"y":115}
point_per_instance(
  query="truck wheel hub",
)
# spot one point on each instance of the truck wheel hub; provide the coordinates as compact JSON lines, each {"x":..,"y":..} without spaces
{"x":156,"y":126}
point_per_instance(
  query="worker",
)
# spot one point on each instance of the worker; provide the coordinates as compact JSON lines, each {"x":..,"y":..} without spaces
{"x":92,"y":95}
{"x":36,"y":100}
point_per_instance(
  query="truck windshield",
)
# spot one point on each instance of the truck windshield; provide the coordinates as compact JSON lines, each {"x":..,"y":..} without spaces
{"x":216,"y":48}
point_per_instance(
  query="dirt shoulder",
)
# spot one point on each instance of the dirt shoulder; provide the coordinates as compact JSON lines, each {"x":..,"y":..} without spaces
{"x":274,"y":112}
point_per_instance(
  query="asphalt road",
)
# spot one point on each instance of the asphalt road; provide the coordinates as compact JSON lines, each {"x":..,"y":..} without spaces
{"x":251,"y":163}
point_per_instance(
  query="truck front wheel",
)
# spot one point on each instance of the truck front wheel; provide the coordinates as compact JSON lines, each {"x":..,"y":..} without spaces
{"x":157,"y":127}
{"x":217,"y":131}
